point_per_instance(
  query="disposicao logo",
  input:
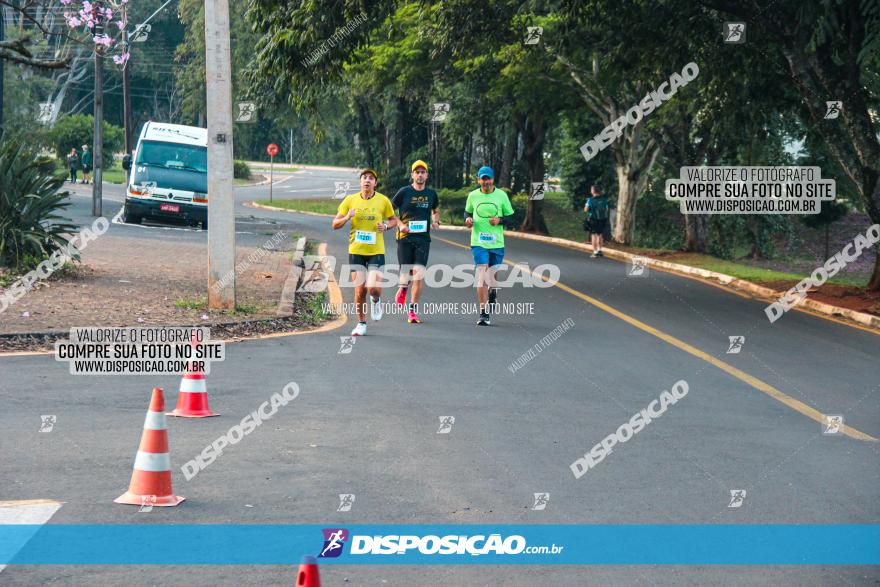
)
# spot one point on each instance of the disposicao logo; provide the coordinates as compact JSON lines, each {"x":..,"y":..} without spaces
{"x":334,"y":541}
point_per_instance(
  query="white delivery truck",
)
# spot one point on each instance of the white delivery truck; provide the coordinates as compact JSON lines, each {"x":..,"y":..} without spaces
{"x":169,"y":175}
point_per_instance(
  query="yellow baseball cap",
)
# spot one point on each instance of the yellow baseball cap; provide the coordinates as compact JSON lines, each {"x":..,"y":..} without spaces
{"x":419,"y":163}
{"x":368,"y":170}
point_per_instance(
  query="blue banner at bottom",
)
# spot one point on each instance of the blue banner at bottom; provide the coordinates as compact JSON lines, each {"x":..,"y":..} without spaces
{"x":226,"y":544}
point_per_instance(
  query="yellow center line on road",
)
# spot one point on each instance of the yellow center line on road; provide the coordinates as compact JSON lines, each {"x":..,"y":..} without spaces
{"x":753,"y":381}
{"x":29,"y":502}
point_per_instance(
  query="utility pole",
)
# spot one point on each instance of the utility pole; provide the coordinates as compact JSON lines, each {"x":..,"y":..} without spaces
{"x":2,"y":62}
{"x":98,"y":147}
{"x":221,"y":201}
{"x":126,"y":100}
{"x":126,"y":90}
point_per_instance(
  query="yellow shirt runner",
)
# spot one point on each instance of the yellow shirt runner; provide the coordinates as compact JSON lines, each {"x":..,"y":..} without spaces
{"x":363,"y":237}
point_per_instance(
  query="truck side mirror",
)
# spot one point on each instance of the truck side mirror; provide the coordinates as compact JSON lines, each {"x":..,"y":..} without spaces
{"x":126,"y":162}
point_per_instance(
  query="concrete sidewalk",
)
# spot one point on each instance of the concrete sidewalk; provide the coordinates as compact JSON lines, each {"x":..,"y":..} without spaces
{"x":135,"y":280}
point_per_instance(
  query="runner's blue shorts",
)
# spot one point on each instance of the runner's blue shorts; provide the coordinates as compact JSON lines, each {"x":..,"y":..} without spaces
{"x":490,"y":257}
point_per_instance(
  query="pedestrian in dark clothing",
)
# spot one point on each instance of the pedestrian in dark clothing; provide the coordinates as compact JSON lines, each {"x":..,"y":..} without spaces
{"x":596,"y":208}
{"x":73,"y":164}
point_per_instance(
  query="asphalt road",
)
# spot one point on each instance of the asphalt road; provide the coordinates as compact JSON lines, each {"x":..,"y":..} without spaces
{"x":366,"y":423}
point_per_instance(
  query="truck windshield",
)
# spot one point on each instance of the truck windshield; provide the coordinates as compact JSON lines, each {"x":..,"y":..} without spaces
{"x":172,"y":166}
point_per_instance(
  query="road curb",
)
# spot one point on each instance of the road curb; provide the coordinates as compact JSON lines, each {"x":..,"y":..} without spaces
{"x":259,"y":183}
{"x":301,"y":166}
{"x":288,"y":291}
{"x":726,"y":281}
{"x":277,"y":209}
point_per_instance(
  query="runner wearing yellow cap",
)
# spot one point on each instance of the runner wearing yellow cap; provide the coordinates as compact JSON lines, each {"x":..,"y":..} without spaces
{"x":418,"y":212}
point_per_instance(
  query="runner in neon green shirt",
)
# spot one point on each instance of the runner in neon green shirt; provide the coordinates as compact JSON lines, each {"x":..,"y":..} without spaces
{"x":487,"y":212}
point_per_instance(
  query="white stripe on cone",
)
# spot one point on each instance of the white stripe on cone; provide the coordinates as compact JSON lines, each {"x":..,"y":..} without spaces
{"x":193,"y":385}
{"x":155,"y":421}
{"x":155,"y":462}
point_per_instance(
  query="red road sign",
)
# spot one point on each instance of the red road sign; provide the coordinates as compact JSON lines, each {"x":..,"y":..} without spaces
{"x":272,"y":149}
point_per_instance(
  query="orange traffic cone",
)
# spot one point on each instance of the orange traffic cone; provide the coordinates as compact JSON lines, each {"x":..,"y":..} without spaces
{"x":192,"y":400}
{"x":151,"y":480}
{"x":307,"y":576}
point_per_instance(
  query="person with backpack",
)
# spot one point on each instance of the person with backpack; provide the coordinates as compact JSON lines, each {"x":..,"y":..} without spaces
{"x":596,"y":208}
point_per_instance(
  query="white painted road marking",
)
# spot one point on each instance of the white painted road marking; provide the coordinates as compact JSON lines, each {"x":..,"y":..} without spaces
{"x":29,"y":511}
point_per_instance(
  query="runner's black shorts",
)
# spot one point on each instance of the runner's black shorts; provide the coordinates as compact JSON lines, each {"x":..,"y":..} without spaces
{"x":598,"y":226}
{"x":413,"y":252}
{"x":363,"y":262}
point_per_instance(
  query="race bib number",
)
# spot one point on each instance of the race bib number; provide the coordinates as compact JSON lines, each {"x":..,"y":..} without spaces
{"x":365,"y":236}
{"x":418,"y":226}
{"x":487,"y":238}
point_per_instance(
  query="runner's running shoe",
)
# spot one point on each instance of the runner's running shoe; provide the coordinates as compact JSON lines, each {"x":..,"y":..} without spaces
{"x":401,"y":296}
{"x":484,"y":319}
{"x":412,"y":318}
{"x":360,"y":329}
{"x":375,"y":309}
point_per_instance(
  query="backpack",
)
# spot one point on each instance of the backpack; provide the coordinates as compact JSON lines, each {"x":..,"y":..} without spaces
{"x":598,"y":208}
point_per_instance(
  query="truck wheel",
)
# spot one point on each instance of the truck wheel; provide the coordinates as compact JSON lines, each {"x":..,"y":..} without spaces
{"x":130,"y":218}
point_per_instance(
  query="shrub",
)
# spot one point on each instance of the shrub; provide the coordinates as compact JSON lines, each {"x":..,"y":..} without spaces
{"x":31,"y":228}
{"x":241,"y":170}
{"x":78,"y":130}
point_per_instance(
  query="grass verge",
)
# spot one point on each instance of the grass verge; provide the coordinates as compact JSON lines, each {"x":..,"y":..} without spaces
{"x":312,"y":308}
{"x":116,"y":176}
{"x":749,"y":272}
{"x":201,"y":303}
{"x":320,"y":206}
{"x":264,"y":168}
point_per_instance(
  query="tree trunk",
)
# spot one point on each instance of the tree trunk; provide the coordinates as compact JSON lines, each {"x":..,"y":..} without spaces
{"x":633,"y":167}
{"x":534,"y":132}
{"x":505,"y":177}
{"x":625,"y":227}
{"x":394,"y":137}
{"x":874,"y":282}
{"x":874,"y":214}
{"x":827,"y":238}
{"x":436,"y":150}
{"x":366,"y":131}
{"x":469,"y":156}
{"x":752,"y":229}
{"x":696,"y":227}
{"x":78,"y":70}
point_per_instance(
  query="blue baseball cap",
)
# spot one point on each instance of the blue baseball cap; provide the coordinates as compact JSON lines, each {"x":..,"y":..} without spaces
{"x":484,"y":171}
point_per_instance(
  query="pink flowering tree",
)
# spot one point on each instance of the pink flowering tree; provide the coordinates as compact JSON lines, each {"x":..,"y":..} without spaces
{"x":103,"y":20}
